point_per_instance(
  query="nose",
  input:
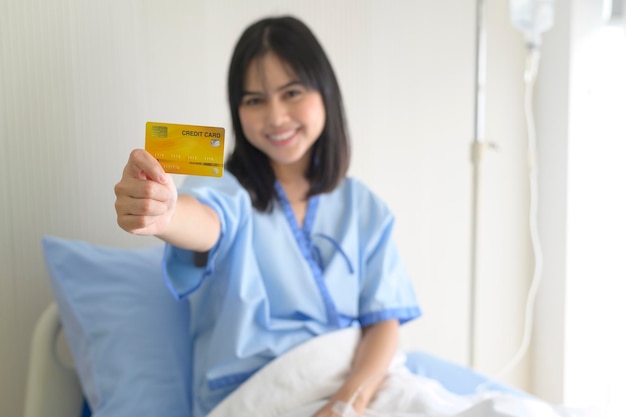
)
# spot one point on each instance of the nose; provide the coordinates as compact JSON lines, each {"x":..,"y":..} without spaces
{"x":277,"y":113}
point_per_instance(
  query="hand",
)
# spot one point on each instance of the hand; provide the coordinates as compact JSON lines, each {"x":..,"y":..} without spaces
{"x":146,"y":196}
{"x":328,"y":410}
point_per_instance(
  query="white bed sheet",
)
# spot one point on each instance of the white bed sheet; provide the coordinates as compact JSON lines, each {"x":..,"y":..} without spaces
{"x":297,"y":384}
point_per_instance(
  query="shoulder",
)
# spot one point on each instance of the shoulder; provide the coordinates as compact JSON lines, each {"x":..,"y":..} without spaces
{"x":354,"y":203}
{"x":362,"y":197}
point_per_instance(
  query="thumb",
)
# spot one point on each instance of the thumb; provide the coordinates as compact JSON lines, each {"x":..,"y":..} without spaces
{"x":144,"y":166}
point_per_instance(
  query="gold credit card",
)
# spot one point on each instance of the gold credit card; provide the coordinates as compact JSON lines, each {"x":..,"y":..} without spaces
{"x":187,"y":149}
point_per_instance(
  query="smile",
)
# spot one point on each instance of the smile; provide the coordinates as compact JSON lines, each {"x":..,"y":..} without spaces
{"x":282,"y":137}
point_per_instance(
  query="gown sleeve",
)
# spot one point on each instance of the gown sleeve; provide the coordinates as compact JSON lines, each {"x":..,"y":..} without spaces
{"x":232,"y":204}
{"x":386,"y":290}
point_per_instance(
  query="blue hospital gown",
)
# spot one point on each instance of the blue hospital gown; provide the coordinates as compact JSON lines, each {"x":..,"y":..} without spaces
{"x":270,"y":284}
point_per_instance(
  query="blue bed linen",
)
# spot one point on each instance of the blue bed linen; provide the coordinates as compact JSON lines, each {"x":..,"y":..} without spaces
{"x":86,"y":411}
{"x":454,"y":377}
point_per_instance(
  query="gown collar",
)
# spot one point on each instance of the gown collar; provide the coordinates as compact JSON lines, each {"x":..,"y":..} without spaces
{"x":305,"y":233}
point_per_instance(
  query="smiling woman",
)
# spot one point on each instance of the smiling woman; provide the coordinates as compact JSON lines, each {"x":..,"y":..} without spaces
{"x":267,"y":285}
{"x":283,"y":93}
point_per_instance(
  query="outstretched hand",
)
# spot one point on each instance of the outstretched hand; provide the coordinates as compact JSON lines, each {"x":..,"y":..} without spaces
{"x":146,"y":196}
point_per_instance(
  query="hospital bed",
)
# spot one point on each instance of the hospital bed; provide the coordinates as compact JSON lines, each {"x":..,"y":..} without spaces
{"x":53,"y":387}
{"x":82,"y":276}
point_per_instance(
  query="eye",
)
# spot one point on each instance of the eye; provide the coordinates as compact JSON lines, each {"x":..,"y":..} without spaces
{"x":251,"y":101}
{"x":293,"y":93}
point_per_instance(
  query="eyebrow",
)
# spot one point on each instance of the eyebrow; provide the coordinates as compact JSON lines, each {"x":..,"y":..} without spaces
{"x":282,"y":87}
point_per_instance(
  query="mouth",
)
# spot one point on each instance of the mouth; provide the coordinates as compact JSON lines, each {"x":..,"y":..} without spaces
{"x":282,"y":137}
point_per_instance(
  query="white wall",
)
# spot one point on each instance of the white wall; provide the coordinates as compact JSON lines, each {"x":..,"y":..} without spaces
{"x":78,"y":80}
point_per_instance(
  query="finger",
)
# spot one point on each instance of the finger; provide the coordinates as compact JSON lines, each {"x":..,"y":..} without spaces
{"x":140,"y":207}
{"x":142,"y":165}
{"x":137,"y":188}
{"x":137,"y":224}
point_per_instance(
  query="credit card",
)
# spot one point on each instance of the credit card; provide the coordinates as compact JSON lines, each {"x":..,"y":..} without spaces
{"x":187,"y":149}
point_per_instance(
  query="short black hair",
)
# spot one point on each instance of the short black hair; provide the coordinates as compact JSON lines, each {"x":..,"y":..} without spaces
{"x":294,"y":43}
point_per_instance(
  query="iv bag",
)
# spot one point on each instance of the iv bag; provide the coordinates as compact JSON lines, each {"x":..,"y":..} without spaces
{"x":532,"y":18}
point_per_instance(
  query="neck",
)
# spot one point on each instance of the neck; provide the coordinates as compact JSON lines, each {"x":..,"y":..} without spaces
{"x":293,"y":181}
{"x":295,"y":188}
{"x":291,"y":173}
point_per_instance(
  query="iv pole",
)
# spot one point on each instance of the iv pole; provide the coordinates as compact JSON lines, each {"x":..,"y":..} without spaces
{"x":532,"y":17}
{"x":477,"y":147}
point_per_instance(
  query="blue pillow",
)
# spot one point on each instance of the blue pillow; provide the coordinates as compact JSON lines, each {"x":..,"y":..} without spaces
{"x":128,"y":335}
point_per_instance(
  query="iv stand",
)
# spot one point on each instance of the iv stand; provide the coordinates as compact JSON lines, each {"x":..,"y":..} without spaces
{"x":477,"y":147}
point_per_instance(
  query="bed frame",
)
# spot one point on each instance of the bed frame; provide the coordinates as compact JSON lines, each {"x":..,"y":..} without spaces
{"x":52,"y":387}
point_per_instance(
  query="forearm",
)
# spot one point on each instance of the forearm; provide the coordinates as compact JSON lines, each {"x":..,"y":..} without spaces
{"x":375,"y":351}
{"x":194,"y":226}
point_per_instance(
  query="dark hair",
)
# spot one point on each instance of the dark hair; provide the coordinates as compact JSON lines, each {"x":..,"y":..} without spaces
{"x":294,"y":43}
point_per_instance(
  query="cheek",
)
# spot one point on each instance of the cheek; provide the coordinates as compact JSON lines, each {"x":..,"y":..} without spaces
{"x":315,"y":112}
{"x":247,"y":122}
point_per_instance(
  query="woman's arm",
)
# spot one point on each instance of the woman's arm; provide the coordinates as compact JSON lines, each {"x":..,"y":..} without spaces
{"x":378,"y":345}
{"x":194,"y":226}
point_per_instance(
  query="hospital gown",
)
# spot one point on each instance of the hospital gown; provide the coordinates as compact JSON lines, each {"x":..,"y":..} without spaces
{"x":269,"y":284}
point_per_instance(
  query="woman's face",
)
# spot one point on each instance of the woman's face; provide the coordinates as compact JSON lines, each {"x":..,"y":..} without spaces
{"x":279,"y":115}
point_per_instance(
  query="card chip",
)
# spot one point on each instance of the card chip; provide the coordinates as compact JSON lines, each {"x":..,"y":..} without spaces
{"x":159,"y":131}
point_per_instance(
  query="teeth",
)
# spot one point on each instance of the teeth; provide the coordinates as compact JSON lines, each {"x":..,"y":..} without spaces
{"x":282,"y":137}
